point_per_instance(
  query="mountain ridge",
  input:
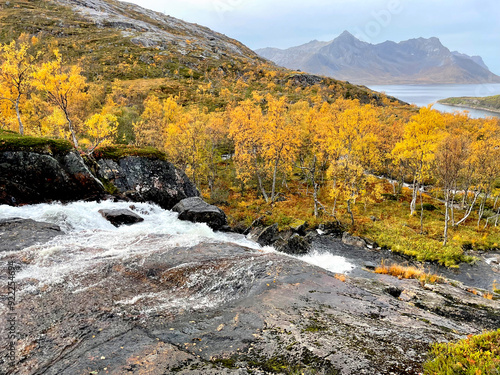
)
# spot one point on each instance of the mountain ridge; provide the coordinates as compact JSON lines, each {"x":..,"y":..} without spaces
{"x":413,"y":61}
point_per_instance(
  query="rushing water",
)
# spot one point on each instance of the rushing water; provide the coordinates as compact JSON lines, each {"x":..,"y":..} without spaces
{"x":422,"y":95}
{"x":89,"y":240}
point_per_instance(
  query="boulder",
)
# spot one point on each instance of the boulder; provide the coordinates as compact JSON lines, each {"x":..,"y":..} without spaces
{"x":268,"y":235}
{"x":294,"y":245}
{"x":37,"y":177}
{"x":349,"y":239}
{"x":147,"y":179}
{"x":331,"y":228}
{"x":121,"y":217}
{"x":17,"y":233}
{"x":299,"y":227}
{"x":197,"y":210}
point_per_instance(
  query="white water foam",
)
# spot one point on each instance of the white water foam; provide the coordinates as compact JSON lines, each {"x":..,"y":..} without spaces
{"x":89,"y":240}
{"x":332,"y":263}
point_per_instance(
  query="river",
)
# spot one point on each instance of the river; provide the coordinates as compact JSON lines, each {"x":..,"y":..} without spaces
{"x":89,"y":239}
{"x":422,"y":95}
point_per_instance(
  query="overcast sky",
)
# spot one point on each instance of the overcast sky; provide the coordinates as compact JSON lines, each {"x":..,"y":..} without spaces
{"x":469,"y":26}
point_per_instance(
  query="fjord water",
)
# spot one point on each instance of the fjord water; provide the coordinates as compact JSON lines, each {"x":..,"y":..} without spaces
{"x":422,"y":95}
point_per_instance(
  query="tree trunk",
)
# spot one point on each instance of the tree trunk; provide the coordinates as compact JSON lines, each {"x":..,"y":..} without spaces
{"x":315,"y":197}
{"x":481,"y":208}
{"x":70,"y":126}
{"x":18,"y":113}
{"x":469,"y":210}
{"x":421,"y":213}
{"x":349,"y":210}
{"x":261,"y":186}
{"x":414,"y":196}
{"x":446,"y":217}
{"x":275,"y":172}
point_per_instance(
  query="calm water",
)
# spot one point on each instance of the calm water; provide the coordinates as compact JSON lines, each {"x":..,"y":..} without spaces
{"x":422,"y":95}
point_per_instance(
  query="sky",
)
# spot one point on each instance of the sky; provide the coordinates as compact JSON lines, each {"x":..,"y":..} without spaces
{"x":467,"y":26}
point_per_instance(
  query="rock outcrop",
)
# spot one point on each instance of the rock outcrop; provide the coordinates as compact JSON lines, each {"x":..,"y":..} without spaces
{"x":146,"y":179}
{"x":197,"y":210}
{"x":36,"y":177}
{"x":17,"y":233}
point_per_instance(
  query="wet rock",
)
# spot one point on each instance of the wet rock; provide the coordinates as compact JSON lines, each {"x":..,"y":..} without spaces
{"x":121,"y":217}
{"x":17,"y":233}
{"x":37,"y":177}
{"x":351,"y":240}
{"x":255,"y":226}
{"x":294,"y":245}
{"x":299,"y":227}
{"x":394,"y":291}
{"x":147,"y":180}
{"x":268,"y":235}
{"x":332,"y":228}
{"x":370,"y":266}
{"x":197,"y":210}
{"x":220,"y":308}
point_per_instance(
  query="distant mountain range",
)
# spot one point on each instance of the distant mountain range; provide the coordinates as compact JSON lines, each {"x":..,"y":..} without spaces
{"x":414,"y":61}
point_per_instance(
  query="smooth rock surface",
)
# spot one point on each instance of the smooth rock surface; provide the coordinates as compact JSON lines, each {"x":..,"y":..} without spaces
{"x":16,"y":233}
{"x":197,"y":210}
{"x":219,"y":308}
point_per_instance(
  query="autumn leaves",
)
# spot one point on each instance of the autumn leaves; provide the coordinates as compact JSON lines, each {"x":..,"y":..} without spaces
{"x":51,"y":96}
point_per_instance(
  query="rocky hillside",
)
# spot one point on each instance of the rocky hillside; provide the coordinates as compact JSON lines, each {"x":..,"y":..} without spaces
{"x":415,"y":61}
{"x":113,"y":39}
{"x":125,"y":48}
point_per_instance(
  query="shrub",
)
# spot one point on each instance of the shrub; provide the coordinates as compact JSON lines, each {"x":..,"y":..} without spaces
{"x":474,"y":355}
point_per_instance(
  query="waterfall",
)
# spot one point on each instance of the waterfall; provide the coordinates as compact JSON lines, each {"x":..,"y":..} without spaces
{"x":90,"y":243}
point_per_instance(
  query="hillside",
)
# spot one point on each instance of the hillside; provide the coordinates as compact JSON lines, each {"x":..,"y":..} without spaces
{"x":141,"y":51}
{"x":488,"y":103}
{"x":415,"y":61}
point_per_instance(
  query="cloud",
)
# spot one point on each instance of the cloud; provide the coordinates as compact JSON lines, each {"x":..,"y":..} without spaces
{"x":469,"y":26}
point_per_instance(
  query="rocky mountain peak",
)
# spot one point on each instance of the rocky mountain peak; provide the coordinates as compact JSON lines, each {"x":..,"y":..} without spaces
{"x":414,"y":61}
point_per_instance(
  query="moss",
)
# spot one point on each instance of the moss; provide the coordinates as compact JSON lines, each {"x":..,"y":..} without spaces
{"x":11,"y":141}
{"x":121,"y":151}
{"x":109,"y":187}
{"x":225,"y":362}
{"x":315,"y":326}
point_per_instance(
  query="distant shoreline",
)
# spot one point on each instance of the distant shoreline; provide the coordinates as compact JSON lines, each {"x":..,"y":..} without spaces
{"x":470,"y":107}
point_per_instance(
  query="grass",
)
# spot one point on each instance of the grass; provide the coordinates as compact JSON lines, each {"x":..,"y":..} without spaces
{"x":474,"y":355}
{"x":408,"y":272}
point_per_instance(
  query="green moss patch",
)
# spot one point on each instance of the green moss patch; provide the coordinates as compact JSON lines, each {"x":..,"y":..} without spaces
{"x":11,"y":141}
{"x":121,"y":151}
